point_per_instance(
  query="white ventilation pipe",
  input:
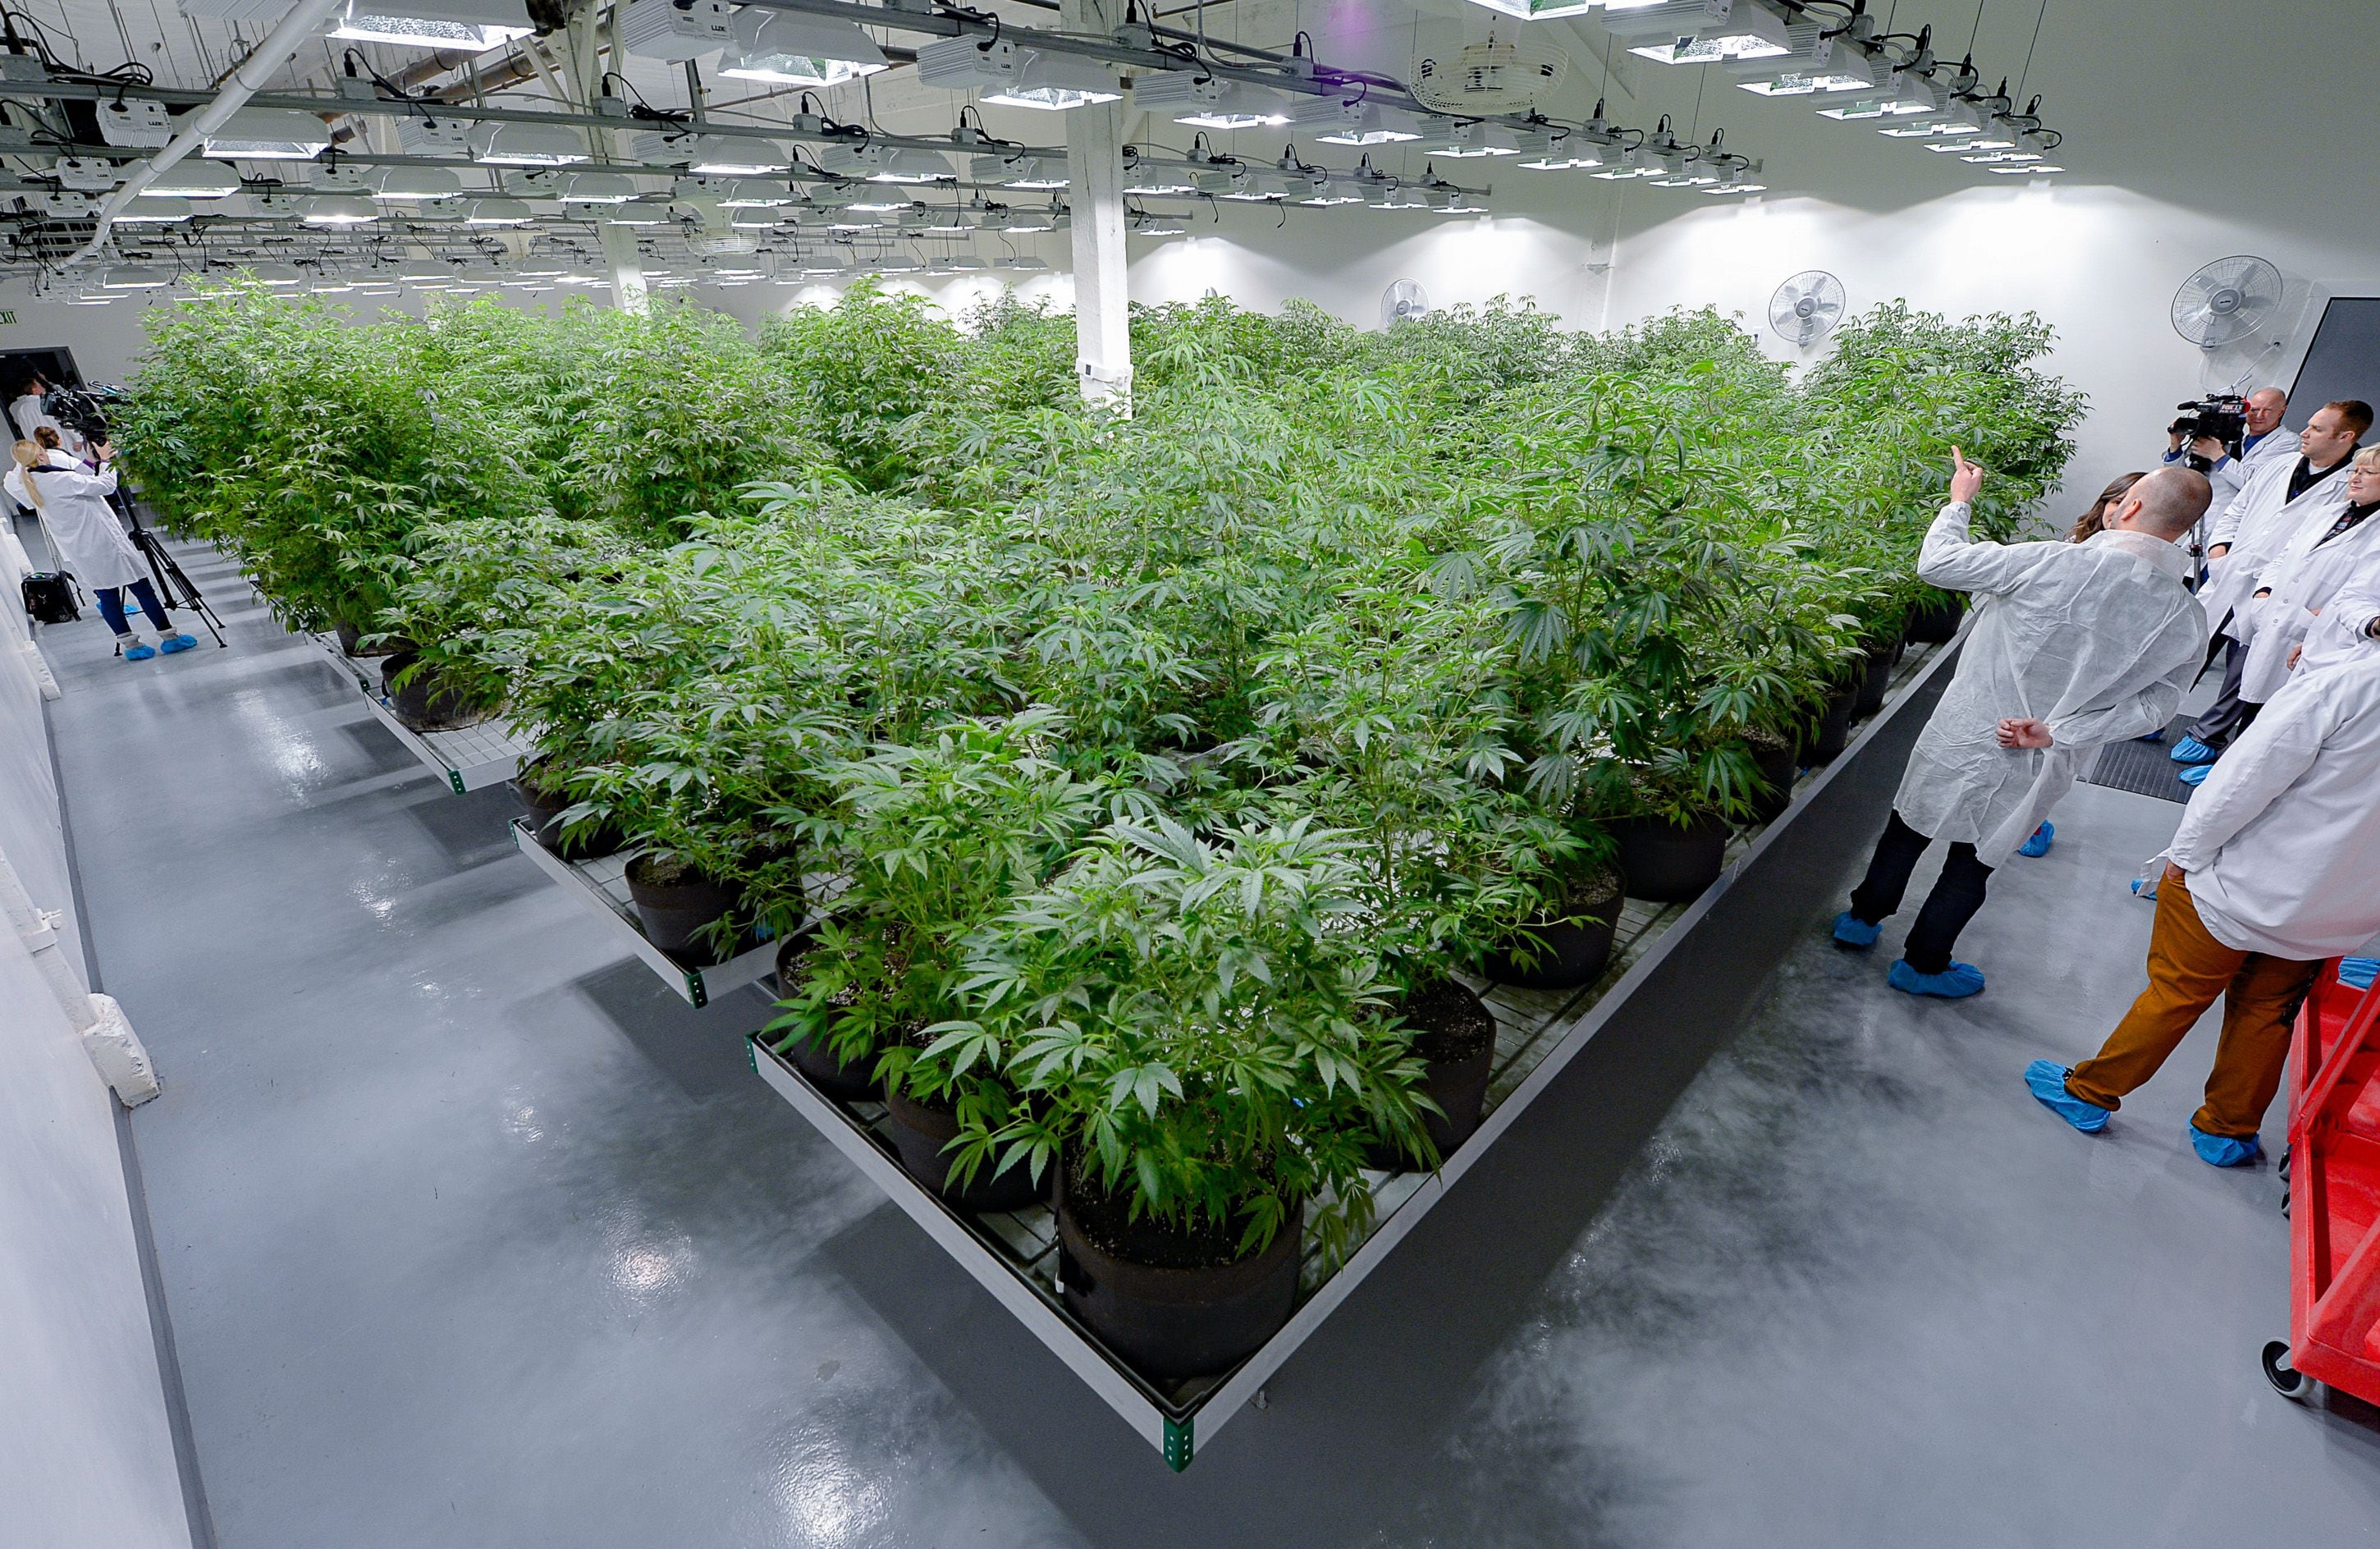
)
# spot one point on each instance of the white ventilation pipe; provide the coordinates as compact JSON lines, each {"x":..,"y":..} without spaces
{"x":301,"y":27}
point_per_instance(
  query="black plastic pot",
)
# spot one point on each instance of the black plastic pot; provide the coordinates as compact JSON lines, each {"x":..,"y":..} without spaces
{"x":920,"y":1132}
{"x":1936,"y":622}
{"x":1567,"y":953}
{"x":671,"y":911}
{"x":1834,"y":731}
{"x":425,"y":702}
{"x":1875,"y":681}
{"x":1456,"y":1039}
{"x":849,"y":1083}
{"x":349,"y":635}
{"x":1179,"y":1322}
{"x":1669,"y":863}
{"x":1777,"y":764}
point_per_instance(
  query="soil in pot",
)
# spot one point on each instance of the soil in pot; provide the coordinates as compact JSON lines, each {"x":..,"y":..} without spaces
{"x":1775,"y":760}
{"x":674,"y":901}
{"x":1834,"y":730}
{"x":849,"y":1083}
{"x":1455,"y":1037}
{"x":1173,"y":1301}
{"x":1876,"y":679}
{"x":1668,"y":862}
{"x":425,"y":702}
{"x":920,"y":1131}
{"x":1935,"y":622}
{"x":1568,"y":953}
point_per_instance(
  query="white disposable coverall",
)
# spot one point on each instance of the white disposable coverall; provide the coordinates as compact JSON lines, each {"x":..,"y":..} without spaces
{"x":80,"y":523}
{"x":2282,"y":842}
{"x":2097,"y":639}
{"x":2305,"y":578}
{"x":2258,"y":526}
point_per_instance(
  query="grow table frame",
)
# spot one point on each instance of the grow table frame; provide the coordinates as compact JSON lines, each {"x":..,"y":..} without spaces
{"x":601,"y":884}
{"x":1669,"y":960}
{"x":468,"y":758}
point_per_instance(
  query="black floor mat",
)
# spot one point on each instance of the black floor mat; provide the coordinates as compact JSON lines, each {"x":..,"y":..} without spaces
{"x":2144,"y":768}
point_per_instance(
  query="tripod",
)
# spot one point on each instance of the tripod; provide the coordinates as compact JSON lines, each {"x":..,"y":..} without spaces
{"x":175,"y":588}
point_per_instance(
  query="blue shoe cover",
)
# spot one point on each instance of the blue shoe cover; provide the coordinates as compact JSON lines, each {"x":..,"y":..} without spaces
{"x":2222,"y":1150}
{"x":172,"y":643}
{"x":2047,"y":1083}
{"x":1855,"y":933}
{"x":2039,"y":845}
{"x":2195,"y":776}
{"x":140,"y":651}
{"x":2191,"y":751}
{"x":2151,"y":737}
{"x":2357,"y":973}
{"x":1955,"y":983}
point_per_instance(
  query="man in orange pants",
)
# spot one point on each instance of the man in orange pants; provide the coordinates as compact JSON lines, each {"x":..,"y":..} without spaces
{"x":2272,"y":871}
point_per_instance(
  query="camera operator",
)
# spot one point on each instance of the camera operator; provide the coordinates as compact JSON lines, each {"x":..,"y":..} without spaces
{"x":30,"y":412}
{"x":2259,"y":445}
{"x":83,"y":533}
{"x":2280,"y":499}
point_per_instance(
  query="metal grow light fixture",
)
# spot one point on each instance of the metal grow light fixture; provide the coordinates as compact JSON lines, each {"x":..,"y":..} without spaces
{"x":339,"y":210}
{"x":1159,"y":181}
{"x":497,"y":212}
{"x":151,"y":210}
{"x":729,"y":156}
{"x":1703,"y":32}
{"x":1055,"y":82}
{"x":1027,"y":172}
{"x":278,"y":275}
{"x":468,"y":26}
{"x":411,"y":184}
{"x":517,"y":144}
{"x":194,"y":177}
{"x":1630,"y":162}
{"x":752,"y":193}
{"x":1204,"y":101}
{"x":1546,"y":10}
{"x":1481,"y":138}
{"x":875,"y":162}
{"x":1336,"y":120}
{"x":597,"y":188}
{"x":429,"y":273}
{"x":786,"y":48}
{"x":268,"y":134}
{"x":635,"y":213}
{"x":133,"y":276}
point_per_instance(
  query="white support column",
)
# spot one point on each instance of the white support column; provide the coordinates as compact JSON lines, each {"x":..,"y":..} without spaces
{"x":583,"y":59}
{"x":1095,"y":167}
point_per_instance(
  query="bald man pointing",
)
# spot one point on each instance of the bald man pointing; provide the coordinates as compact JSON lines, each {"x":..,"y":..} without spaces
{"x":2073,"y":646}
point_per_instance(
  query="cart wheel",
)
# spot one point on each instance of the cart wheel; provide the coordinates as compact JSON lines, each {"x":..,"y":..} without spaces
{"x":2284,"y":1169}
{"x":2287,"y":1380}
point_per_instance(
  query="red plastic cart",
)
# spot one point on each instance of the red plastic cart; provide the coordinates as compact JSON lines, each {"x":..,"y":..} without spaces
{"x":2334,"y":1197}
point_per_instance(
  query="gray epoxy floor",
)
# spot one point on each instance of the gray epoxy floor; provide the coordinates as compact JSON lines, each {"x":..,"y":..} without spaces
{"x":472,"y":1234}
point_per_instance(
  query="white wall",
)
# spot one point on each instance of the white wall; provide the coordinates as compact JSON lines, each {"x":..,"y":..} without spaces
{"x":86,"y":1456}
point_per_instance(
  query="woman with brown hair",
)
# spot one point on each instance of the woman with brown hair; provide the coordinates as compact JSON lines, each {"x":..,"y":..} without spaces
{"x":2105,"y":506}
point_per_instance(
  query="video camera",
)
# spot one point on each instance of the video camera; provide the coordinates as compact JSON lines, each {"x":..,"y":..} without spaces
{"x":2223,"y":418}
{"x":81,"y":410}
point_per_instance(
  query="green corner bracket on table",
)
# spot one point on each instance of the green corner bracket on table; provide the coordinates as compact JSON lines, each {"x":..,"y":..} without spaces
{"x":1178,"y":1443}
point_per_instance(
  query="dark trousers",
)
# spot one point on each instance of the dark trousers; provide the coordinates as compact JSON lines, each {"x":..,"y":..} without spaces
{"x":2229,"y":715}
{"x":111,"y":606}
{"x":1956,"y":896}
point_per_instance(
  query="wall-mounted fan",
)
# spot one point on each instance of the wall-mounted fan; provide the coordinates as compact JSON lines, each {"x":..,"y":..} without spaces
{"x":1480,"y":81}
{"x":1404,"y":301}
{"x":2227,"y":301}
{"x":1806,"y":308}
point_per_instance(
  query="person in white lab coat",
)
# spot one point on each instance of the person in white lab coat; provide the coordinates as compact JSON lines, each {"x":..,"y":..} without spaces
{"x":26,"y":410}
{"x":2073,"y":646}
{"x":82,"y":528}
{"x":2270,"y":873}
{"x":2348,"y":628}
{"x":2264,"y":441}
{"x":2250,"y":533}
{"x":2318,"y":565}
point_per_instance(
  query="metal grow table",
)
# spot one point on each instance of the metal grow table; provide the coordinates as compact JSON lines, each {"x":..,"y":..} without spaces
{"x":469,"y":758}
{"x":1669,"y":962}
{"x":602,"y":885}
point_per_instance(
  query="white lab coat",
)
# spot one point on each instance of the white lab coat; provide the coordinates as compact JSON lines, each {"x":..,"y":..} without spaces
{"x":2305,"y":578}
{"x":27,"y":412}
{"x":80,"y":524}
{"x":2097,"y":639}
{"x":2231,"y":475}
{"x":2344,"y":630}
{"x":2282,"y":842}
{"x":2258,"y":526}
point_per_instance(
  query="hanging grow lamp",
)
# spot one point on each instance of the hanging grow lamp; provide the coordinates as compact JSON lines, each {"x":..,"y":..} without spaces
{"x":785,"y":48}
{"x":268,"y":134}
{"x":467,"y":26}
{"x":517,"y":144}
